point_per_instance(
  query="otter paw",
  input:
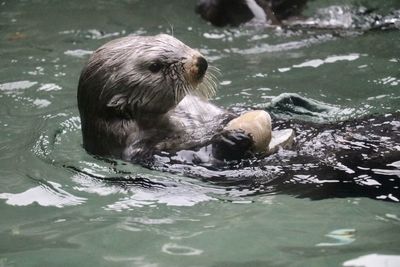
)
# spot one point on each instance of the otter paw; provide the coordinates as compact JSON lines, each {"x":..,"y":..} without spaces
{"x":232,"y":145}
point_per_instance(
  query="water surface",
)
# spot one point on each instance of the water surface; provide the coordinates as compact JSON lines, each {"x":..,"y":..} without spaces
{"x":53,"y":215}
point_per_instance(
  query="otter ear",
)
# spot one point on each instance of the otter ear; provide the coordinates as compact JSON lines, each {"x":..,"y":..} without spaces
{"x":117,"y":101}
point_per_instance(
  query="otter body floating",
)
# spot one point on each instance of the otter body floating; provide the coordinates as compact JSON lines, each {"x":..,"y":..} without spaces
{"x":143,"y":95}
{"x":140,"y":97}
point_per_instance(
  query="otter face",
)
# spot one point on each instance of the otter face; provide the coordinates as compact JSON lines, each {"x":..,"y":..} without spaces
{"x":136,"y":75}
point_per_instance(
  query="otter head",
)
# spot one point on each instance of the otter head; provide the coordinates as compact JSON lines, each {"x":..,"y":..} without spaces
{"x":141,"y":75}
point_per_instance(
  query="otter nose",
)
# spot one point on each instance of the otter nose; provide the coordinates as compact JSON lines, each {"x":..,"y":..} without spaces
{"x":202,"y":65}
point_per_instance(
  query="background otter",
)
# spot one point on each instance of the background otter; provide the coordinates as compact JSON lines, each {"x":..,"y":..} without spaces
{"x":235,"y":12}
{"x":288,"y":13}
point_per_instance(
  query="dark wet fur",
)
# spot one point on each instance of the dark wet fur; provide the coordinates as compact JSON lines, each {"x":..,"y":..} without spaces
{"x":328,"y":159}
{"x":355,"y":153}
{"x":364,"y":147}
{"x":224,"y":12}
{"x":235,"y":12}
{"x":351,"y":153}
{"x":288,"y":14}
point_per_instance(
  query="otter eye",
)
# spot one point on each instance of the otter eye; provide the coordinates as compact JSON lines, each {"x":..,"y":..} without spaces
{"x":155,"y":67}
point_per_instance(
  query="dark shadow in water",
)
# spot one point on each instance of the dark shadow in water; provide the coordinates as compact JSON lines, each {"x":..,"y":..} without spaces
{"x":123,"y":178}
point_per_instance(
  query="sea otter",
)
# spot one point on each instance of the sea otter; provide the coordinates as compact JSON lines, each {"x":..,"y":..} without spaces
{"x":235,"y":12}
{"x":144,"y":99}
{"x":141,"y":95}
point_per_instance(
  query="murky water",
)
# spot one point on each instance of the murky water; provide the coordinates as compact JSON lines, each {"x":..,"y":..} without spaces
{"x":55,"y":213}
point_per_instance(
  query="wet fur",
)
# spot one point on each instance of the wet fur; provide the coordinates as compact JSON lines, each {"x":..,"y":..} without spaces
{"x":352,"y":158}
{"x":129,"y":112}
{"x":116,"y":124}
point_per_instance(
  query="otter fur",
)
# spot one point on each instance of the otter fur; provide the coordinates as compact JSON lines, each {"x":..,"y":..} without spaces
{"x":140,"y":95}
{"x":145,"y":98}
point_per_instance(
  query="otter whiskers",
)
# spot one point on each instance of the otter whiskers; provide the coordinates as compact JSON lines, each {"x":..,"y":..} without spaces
{"x":208,"y":87}
{"x":205,"y":90}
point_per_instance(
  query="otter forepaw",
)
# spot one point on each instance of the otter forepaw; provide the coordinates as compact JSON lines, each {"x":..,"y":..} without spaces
{"x":232,"y":145}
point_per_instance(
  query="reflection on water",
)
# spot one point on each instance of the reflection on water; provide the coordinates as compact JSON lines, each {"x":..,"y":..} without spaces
{"x":175,"y":249}
{"x":374,"y":260}
{"x":341,"y":236}
{"x":315,"y":63}
{"x":44,"y":195}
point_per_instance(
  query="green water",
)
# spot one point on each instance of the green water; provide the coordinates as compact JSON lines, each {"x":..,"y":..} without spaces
{"x":51,"y":215}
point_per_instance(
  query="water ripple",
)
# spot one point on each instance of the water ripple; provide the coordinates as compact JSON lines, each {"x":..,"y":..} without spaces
{"x":46,"y":195}
{"x":175,"y":249}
